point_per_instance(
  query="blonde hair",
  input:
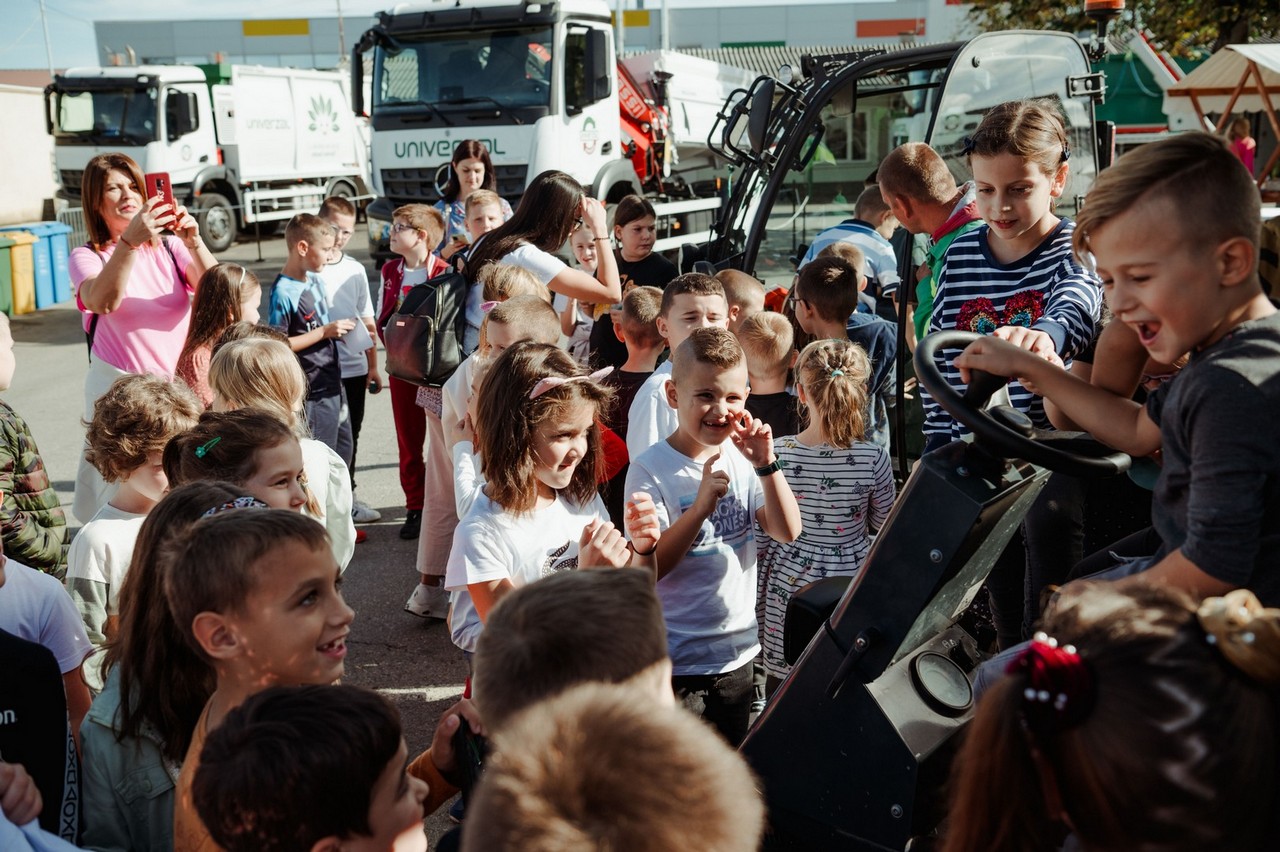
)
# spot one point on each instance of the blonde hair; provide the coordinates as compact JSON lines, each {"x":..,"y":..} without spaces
{"x":834,"y":375}
{"x":604,"y":767}
{"x":639,"y":320}
{"x":480,"y":198}
{"x":260,"y":373}
{"x":501,"y":281}
{"x":422,"y":217}
{"x":532,"y":317}
{"x":850,"y":253}
{"x":740,"y":289}
{"x":767,"y":339}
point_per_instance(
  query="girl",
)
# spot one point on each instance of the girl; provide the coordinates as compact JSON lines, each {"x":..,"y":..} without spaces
{"x":843,"y":483}
{"x":1015,"y":276}
{"x":1159,"y":730}
{"x":250,"y":449}
{"x":265,"y":374}
{"x":1243,"y":145}
{"x":635,"y":231}
{"x":539,"y":446}
{"x":469,"y":170}
{"x":578,"y":318}
{"x":550,"y":210}
{"x":227,"y":294}
{"x":132,"y":750}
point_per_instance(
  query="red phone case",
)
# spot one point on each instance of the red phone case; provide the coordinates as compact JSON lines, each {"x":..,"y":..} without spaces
{"x":157,"y":183}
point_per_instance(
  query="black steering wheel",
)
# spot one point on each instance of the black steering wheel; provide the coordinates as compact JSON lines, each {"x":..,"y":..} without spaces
{"x":1005,"y":430}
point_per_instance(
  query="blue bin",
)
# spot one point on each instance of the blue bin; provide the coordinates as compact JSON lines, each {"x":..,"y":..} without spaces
{"x":49,"y":259}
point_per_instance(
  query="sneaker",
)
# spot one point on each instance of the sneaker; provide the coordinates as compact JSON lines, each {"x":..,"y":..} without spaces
{"x":361,"y":513}
{"x":428,"y":602}
{"x":412,"y":524}
{"x":361,"y":536}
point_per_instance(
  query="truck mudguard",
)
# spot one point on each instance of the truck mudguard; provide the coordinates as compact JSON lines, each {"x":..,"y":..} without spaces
{"x":614,"y":173}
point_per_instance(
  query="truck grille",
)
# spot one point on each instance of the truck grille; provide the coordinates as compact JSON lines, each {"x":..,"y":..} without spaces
{"x":417,"y":186}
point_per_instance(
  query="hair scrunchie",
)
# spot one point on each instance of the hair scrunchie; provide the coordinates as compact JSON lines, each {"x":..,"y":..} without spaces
{"x":1246,"y":632}
{"x":1060,"y":687}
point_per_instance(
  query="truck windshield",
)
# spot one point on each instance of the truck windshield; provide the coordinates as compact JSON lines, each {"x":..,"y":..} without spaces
{"x":106,"y":117}
{"x":504,"y":68}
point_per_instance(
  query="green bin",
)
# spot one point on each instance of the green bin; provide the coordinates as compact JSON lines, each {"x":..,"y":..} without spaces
{"x":6,"y":276}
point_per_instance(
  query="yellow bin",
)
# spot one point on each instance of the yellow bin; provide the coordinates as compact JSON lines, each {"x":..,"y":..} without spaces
{"x":24,"y":272}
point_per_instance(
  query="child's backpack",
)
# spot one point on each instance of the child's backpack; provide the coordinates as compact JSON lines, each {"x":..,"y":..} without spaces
{"x":424,"y":336}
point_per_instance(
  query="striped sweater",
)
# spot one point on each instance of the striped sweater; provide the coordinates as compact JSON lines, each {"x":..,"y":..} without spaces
{"x":1046,"y":290}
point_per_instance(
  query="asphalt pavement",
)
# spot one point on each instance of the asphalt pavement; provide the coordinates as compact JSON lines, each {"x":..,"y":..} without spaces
{"x":409,"y":660}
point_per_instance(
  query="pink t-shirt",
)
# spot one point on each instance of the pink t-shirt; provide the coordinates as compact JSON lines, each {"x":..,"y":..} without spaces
{"x":145,"y":334}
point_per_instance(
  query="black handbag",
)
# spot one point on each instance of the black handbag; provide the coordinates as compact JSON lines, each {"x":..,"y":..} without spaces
{"x":424,"y":337}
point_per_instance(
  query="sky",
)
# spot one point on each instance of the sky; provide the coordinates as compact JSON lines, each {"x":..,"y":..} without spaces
{"x":72,"y":41}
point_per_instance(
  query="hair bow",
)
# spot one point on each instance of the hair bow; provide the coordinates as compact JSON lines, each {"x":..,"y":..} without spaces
{"x":1060,"y":687}
{"x":485,"y":307}
{"x":550,"y":382}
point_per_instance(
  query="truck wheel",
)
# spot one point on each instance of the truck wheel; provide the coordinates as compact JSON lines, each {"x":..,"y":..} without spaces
{"x":217,"y":221}
{"x":342,"y":189}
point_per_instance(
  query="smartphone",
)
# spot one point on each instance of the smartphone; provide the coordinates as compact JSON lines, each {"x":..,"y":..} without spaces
{"x":157,"y":183}
{"x":463,"y":239}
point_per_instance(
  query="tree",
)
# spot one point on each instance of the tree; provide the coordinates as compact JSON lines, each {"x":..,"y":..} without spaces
{"x":1183,"y":27}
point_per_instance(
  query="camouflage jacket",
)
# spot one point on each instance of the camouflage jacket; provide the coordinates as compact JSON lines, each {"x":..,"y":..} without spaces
{"x":32,"y":525}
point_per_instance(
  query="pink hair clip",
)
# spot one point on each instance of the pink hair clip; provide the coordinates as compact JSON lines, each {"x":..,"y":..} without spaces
{"x":550,"y":382}
{"x":485,"y":307}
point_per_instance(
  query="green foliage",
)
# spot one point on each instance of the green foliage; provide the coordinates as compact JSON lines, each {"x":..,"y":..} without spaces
{"x":1183,"y":27}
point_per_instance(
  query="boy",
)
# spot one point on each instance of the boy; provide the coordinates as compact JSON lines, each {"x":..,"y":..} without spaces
{"x":32,"y":525}
{"x":343,"y":783}
{"x":346,"y":288}
{"x":706,"y":557}
{"x":767,"y":340}
{"x":825,"y":295}
{"x":744,"y":294}
{"x":415,"y":230}
{"x":255,"y":592}
{"x":1217,"y":501}
{"x":596,"y":769}
{"x":690,"y":301}
{"x":483,"y":213}
{"x":298,"y":306}
{"x":872,"y":225}
{"x":858,"y":260}
{"x":920,"y":190}
{"x":131,"y":424}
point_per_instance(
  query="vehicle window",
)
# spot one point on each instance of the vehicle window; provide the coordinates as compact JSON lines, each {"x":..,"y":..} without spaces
{"x":126,"y":116}
{"x":511,"y":67}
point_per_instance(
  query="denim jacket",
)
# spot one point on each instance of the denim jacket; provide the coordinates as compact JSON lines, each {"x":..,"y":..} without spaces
{"x":127,"y":786}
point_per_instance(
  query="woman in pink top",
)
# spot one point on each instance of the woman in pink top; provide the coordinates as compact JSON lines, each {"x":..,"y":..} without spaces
{"x":1242,"y":144}
{"x":133,"y":286}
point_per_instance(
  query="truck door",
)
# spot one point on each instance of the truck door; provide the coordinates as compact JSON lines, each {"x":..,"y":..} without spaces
{"x":589,"y":124}
{"x":1013,"y":65}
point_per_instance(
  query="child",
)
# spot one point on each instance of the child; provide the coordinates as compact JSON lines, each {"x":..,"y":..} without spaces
{"x":1152,"y":701}
{"x":146,"y":737}
{"x":241,"y":330}
{"x":858,"y":260}
{"x":32,"y":525}
{"x":346,"y":289}
{"x":248,"y":448}
{"x":637,"y":328}
{"x":1214,"y":506}
{"x":485,"y":211}
{"x":470,"y":172}
{"x":131,"y":424}
{"x":299,"y":307}
{"x":1015,"y":276}
{"x":691,"y":301}
{"x":706,"y":557}
{"x":525,"y":317}
{"x":256,"y":595}
{"x":502,"y":281}
{"x":578,"y":318}
{"x":635,"y":231}
{"x":228,"y":294}
{"x":766,"y":339}
{"x":846,"y":482}
{"x":872,"y":225}
{"x":261,"y":373}
{"x":415,"y":229}
{"x":744,"y":294}
{"x":595,"y":768}
{"x":344,"y":783}
{"x":825,"y":295}
{"x":539,"y":445}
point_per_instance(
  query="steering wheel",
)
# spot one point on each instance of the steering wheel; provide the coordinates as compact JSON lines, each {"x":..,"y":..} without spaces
{"x":1003,"y":429}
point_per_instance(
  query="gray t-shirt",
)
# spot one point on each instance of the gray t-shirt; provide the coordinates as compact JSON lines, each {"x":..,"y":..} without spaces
{"x":1218,"y":495}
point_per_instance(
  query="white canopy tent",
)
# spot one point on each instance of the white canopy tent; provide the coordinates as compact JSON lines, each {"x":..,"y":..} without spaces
{"x":1240,"y":77}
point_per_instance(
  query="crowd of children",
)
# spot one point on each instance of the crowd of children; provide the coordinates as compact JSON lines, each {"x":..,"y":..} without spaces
{"x":179,"y":663}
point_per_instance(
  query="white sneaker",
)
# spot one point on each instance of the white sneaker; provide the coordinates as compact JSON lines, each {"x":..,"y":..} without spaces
{"x":428,"y":602}
{"x":362,"y":513}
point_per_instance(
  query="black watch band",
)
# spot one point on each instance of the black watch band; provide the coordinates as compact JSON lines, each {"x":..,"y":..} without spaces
{"x":771,"y":468}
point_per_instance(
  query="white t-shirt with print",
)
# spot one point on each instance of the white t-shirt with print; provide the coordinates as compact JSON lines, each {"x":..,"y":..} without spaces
{"x":709,"y":598}
{"x":346,"y":287}
{"x":651,"y":419}
{"x":491,"y":543}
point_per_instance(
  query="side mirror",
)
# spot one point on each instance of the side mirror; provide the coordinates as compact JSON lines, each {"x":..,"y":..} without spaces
{"x":357,"y":80}
{"x":595,"y":65}
{"x":758,"y":117}
{"x":181,"y":114}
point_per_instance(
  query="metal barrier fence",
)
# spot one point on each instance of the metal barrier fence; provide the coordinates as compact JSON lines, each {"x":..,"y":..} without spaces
{"x":73,"y":218}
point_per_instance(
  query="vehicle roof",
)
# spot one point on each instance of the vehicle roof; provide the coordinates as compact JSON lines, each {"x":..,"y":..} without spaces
{"x":182,"y":73}
{"x":570,"y":7}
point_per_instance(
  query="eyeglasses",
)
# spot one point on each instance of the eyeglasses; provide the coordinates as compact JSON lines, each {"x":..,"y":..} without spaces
{"x":401,"y":227}
{"x":577,"y":223}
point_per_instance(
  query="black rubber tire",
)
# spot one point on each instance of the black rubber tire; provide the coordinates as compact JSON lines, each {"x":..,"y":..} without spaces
{"x":217,"y":221}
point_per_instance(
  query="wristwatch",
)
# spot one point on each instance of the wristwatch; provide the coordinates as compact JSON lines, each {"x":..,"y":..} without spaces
{"x":771,"y":468}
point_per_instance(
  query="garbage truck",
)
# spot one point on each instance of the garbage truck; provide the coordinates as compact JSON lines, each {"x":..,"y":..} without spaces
{"x":541,"y":86}
{"x":245,"y":147}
